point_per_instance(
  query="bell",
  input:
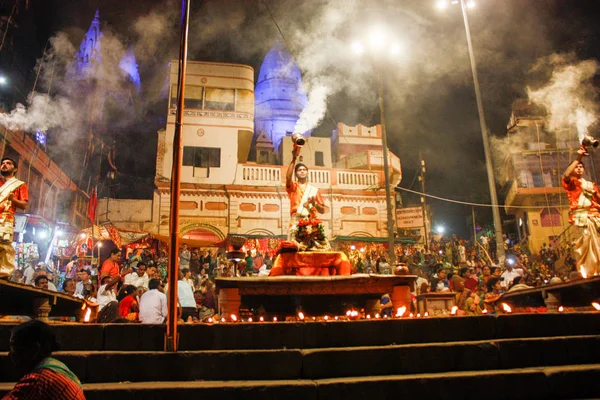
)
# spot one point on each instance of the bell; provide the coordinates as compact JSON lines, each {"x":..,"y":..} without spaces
{"x":588,"y":141}
{"x":299,"y":140}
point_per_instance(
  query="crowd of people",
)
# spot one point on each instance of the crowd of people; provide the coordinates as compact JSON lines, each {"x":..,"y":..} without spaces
{"x":132,"y":287}
{"x":469,"y":270}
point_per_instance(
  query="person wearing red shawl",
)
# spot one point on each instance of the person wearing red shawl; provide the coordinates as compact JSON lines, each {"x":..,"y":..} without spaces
{"x":128,"y":304}
{"x":306,"y":231}
{"x":13,"y":195}
{"x":585,"y":214}
{"x":41,"y":376}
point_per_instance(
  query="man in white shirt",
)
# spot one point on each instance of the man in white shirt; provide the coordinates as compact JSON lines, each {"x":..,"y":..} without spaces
{"x":510,"y":274}
{"x":153,"y":304}
{"x":28,"y":274}
{"x":138,"y":278}
{"x":106,"y":291}
{"x":185,"y":294}
{"x":108,"y":306}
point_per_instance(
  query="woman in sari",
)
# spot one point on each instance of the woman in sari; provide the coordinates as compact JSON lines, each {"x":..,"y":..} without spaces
{"x":128,"y":304}
{"x":466,"y":300}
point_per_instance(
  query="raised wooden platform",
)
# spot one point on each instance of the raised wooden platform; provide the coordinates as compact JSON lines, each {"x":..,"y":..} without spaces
{"x":317,"y":295}
{"x":20,"y":299}
{"x":579,"y":293}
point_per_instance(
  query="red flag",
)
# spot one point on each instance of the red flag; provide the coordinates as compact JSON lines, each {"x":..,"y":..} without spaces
{"x":92,"y":205}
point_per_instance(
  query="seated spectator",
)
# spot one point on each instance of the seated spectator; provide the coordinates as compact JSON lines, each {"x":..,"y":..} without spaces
{"x":440,"y":282}
{"x":128,"y":303}
{"x":42,"y":377}
{"x":387,"y":307}
{"x":17,"y":276}
{"x":517,"y":285}
{"x":137,"y":278}
{"x":108,"y":306}
{"x":185,"y":294}
{"x":208,"y":290}
{"x":494,"y":291}
{"x":86,"y":279}
{"x":470,"y":280}
{"x":41,"y":282}
{"x":466,"y":300}
{"x":153,"y":304}
{"x":51,"y":285}
{"x":69,"y":286}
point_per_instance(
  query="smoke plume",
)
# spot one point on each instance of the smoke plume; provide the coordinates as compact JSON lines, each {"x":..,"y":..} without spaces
{"x":569,"y":96}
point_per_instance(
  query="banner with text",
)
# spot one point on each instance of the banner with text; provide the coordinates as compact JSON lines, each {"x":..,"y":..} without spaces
{"x":409,"y":217}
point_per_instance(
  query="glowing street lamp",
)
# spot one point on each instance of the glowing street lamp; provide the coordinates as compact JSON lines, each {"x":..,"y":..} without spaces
{"x":378,"y":42}
{"x":442,"y":4}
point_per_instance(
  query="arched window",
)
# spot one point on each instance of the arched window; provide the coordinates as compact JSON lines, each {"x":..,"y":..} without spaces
{"x":551,"y":217}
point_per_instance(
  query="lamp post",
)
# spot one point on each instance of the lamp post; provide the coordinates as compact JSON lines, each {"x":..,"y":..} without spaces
{"x":484,"y":135}
{"x":377,"y":41}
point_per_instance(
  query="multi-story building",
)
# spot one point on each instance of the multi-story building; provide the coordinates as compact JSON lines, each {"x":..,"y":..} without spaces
{"x":223,"y":193}
{"x":534,"y":165}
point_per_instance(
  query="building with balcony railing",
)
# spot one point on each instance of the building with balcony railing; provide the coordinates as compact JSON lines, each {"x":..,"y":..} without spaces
{"x":532,"y":172}
{"x":234,"y":168}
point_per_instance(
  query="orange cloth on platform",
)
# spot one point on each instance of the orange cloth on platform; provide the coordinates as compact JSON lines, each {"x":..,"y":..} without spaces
{"x":311,"y":263}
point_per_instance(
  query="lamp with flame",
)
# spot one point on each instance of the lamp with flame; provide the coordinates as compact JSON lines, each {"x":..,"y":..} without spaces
{"x":454,"y":310}
{"x":426,"y":314}
{"x":506,"y":308}
{"x":88,"y":314}
{"x":484,"y":311}
{"x":301,"y":316}
{"x":234,"y":318}
{"x":400,"y":312}
{"x":596,"y":306}
{"x":561,"y":309}
{"x":583,"y":273}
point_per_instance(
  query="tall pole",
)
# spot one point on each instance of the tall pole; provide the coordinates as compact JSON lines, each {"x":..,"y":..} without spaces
{"x":423,"y":201}
{"x":474,"y":228}
{"x":171,"y":337}
{"x":386,"y":176}
{"x":486,"y":144}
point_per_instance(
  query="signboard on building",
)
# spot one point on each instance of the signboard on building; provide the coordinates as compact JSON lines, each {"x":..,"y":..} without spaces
{"x":409,"y":217}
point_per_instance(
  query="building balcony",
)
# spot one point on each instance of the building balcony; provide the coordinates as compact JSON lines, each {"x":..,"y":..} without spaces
{"x":520,"y":195}
{"x":261,"y":175}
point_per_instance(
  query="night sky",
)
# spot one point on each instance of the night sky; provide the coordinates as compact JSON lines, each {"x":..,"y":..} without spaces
{"x":429,"y":97}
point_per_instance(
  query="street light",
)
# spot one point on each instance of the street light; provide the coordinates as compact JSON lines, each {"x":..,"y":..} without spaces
{"x":486,"y":145}
{"x":378,"y":42}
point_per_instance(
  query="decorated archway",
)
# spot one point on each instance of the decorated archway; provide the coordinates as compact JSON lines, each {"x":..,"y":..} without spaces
{"x":202,"y":234}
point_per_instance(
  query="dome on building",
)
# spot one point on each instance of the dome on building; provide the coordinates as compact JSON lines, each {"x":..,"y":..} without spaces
{"x":279,"y":95}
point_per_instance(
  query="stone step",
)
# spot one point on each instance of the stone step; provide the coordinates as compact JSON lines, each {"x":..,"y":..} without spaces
{"x":293,"y":364}
{"x":560,"y":382}
{"x":137,"y":337}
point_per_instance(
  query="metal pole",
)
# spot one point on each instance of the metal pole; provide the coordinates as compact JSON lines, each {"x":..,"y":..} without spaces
{"x":486,"y":145}
{"x":423,"y":201}
{"x":386,"y":176}
{"x":474,"y":227}
{"x":171,"y":339}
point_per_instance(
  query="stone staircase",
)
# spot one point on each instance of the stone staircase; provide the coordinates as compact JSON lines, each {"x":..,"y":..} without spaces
{"x":535,"y":356}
